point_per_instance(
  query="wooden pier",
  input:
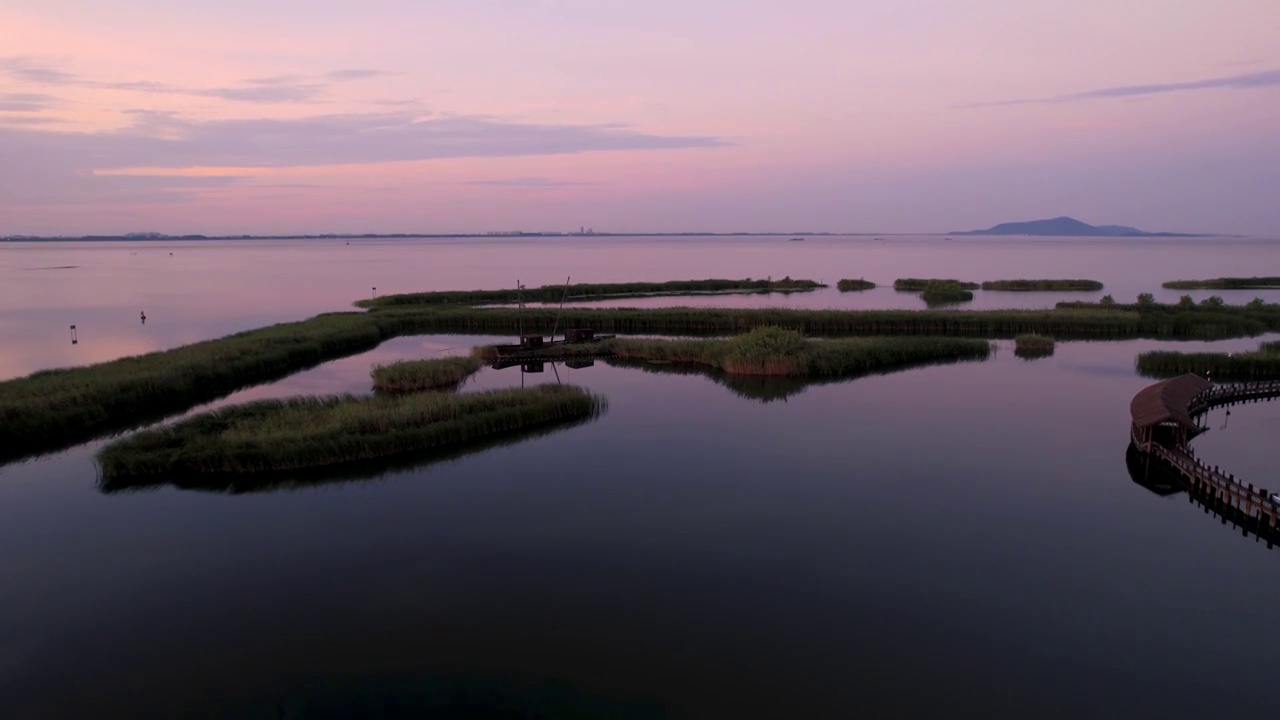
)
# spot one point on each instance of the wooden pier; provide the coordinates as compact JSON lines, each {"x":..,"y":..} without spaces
{"x":1165,"y":418}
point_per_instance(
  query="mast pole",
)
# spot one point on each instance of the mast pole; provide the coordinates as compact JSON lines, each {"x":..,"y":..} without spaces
{"x":564,"y":295}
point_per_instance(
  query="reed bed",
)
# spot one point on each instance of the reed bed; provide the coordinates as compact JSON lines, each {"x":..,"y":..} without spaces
{"x":945,"y":292}
{"x":1033,"y":346}
{"x":411,"y":376}
{"x":1189,"y":320}
{"x":281,"y":436}
{"x":51,"y":409}
{"x":1041,"y":285}
{"x":581,"y":292}
{"x":1091,"y":323}
{"x":1262,"y":364}
{"x":1226,"y":283}
{"x":775,"y":351}
{"x":855,"y":285}
{"x":920,"y":284}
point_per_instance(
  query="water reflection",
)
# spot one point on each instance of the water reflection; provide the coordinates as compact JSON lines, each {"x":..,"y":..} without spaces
{"x":1160,"y":480}
{"x":764,"y":388}
{"x":346,"y":473}
{"x":436,"y":696}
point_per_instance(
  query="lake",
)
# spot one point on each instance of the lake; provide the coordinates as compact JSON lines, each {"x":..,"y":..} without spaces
{"x":962,"y":536}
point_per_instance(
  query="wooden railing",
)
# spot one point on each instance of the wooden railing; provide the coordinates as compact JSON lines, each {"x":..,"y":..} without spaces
{"x":1223,"y":489}
{"x":1232,"y":393}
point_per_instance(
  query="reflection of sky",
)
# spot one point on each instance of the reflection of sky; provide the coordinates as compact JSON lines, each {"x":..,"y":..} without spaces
{"x":982,"y":511}
{"x":210,"y":289}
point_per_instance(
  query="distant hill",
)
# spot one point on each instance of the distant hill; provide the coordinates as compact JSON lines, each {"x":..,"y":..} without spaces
{"x":1068,"y":227}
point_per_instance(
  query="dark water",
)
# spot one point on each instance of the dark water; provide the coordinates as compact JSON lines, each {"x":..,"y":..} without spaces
{"x":960,"y":538}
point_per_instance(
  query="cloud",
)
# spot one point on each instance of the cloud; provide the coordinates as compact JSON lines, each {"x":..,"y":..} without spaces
{"x":356,"y":74}
{"x":275,"y":89}
{"x":164,"y":140}
{"x":1249,"y":81}
{"x":28,"y":70}
{"x":25,"y":102}
{"x":65,"y":166}
{"x":28,"y":120}
{"x":527,"y":182}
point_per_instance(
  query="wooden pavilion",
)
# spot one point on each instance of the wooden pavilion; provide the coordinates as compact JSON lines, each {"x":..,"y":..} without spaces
{"x":1162,"y":412}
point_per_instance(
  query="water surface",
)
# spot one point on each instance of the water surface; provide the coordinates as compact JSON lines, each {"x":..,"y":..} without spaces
{"x":956,"y":537}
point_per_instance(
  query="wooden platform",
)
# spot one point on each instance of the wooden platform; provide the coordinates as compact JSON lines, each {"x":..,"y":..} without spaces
{"x":1165,"y":417}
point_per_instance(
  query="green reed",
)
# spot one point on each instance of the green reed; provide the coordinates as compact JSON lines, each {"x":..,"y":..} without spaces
{"x":581,"y":292}
{"x":1226,"y":283}
{"x":1041,"y":285}
{"x":410,"y":376}
{"x":855,"y":285}
{"x":281,"y":436}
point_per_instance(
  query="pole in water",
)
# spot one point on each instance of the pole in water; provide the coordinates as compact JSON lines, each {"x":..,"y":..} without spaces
{"x":74,"y":339}
{"x":375,"y":291}
{"x":556,"y":326}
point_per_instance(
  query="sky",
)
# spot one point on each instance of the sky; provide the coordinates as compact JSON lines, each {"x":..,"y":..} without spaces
{"x":440,"y":116}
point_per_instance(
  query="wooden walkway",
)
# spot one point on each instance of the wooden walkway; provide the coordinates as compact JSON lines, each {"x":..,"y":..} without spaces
{"x":1222,"y":491}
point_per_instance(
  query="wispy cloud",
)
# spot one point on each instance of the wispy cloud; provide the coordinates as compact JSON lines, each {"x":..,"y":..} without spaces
{"x":26,"y":102}
{"x":527,"y":183}
{"x":162,"y":142}
{"x":276,"y":89}
{"x":1248,"y":81}
{"x":356,"y":74}
{"x":28,"y":120}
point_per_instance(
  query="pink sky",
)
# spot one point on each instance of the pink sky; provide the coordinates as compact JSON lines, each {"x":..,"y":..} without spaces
{"x":475,"y":115}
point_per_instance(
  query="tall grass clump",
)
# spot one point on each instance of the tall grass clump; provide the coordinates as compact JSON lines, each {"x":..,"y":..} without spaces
{"x":1033,"y":346}
{"x":275,"y":436}
{"x":855,"y":285}
{"x":1226,"y":283}
{"x":418,"y":375}
{"x":1041,"y":285}
{"x":943,"y":292}
{"x":582,"y":292}
{"x":919,"y":284}
{"x":1261,"y":364}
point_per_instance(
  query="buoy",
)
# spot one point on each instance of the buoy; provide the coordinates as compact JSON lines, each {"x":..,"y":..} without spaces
{"x":74,"y":339}
{"x":144,"y":317}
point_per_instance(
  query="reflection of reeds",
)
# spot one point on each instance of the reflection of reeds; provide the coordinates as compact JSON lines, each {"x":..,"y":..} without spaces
{"x":1040,"y":285}
{"x":855,"y":285}
{"x":1261,"y":364}
{"x":411,"y":376}
{"x":1032,"y":346}
{"x":280,"y":436}
{"x":610,"y":291}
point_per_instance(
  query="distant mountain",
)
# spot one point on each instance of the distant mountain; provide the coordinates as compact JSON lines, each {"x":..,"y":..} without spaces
{"x":1067,"y":227}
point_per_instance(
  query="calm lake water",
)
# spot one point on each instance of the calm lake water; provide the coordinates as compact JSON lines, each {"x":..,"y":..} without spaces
{"x":959,"y":537}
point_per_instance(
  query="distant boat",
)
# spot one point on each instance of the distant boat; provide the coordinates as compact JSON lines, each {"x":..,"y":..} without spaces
{"x":796,"y":240}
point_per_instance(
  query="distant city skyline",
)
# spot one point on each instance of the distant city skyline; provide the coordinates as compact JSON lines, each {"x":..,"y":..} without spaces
{"x":393,"y":116}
